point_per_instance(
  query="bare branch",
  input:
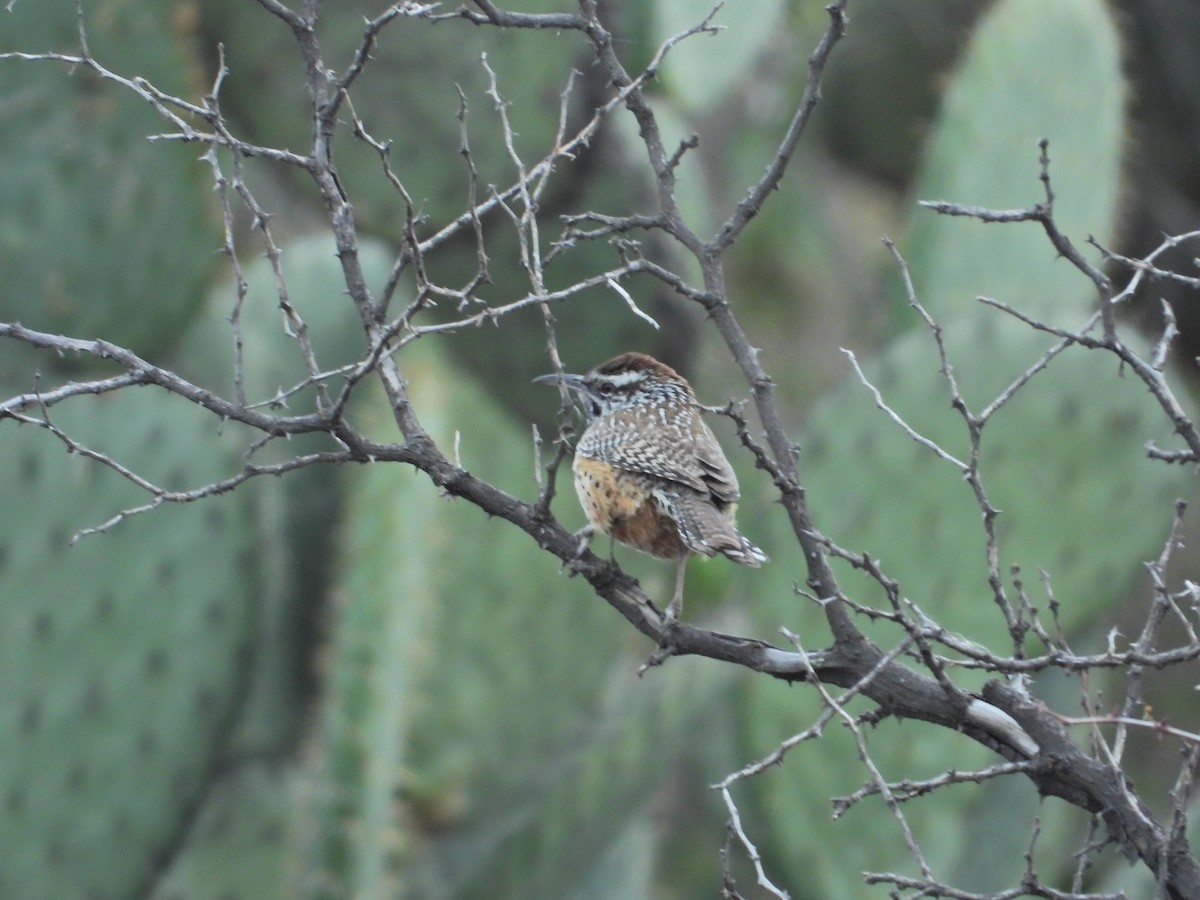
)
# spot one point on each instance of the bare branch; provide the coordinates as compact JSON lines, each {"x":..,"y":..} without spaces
{"x":213,"y":489}
{"x":633,"y":307}
{"x":1159,"y":608}
{"x":895,"y":417}
{"x":1144,"y":269}
{"x":1043,"y":213}
{"x":1150,"y":376}
{"x":141,"y":372}
{"x":1123,"y":722}
{"x":1029,"y":888}
{"x":753,"y":202}
{"x":909,"y":790}
{"x":492,"y":15}
{"x":371,"y":36}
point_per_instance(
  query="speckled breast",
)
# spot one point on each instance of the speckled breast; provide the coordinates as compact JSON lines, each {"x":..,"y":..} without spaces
{"x":622,"y":504}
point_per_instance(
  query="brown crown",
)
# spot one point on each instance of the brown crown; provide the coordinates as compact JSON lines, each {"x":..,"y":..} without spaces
{"x":639,"y":362}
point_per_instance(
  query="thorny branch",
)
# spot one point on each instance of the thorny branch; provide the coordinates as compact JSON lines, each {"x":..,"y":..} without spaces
{"x":910,"y":679}
{"x":1152,"y":372}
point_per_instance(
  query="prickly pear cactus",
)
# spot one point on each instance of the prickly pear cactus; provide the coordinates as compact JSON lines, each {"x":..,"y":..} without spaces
{"x":125,"y":656}
{"x":294,"y":513}
{"x":484,"y":732}
{"x":272,"y":358}
{"x":1063,"y":461}
{"x":1065,"y":458}
{"x":420,"y":125}
{"x":243,"y":844}
{"x":102,"y":233}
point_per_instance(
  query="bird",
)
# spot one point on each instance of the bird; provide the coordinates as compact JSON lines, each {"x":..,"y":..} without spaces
{"x":649,"y":471}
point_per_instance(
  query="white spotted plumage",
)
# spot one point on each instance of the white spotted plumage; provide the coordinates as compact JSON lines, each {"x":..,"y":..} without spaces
{"x":649,"y":471}
{"x":644,"y":421}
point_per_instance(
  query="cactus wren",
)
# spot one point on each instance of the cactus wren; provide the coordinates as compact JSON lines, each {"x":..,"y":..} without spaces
{"x":649,"y":471}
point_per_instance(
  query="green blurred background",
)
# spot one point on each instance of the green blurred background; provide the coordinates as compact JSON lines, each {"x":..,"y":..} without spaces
{"x":341,"y":684}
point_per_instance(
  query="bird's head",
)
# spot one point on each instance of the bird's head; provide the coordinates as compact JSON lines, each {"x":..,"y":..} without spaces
{"x":624,"y":381}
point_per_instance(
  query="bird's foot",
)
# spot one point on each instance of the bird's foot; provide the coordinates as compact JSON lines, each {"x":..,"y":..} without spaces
{"x":584,"y":535}
{"x":584,"y":538}
{"x":673,"y":612}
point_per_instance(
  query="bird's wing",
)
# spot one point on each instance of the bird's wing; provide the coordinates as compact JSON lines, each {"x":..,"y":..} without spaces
{"x":718,"y":474}
{"x":677,"y":447}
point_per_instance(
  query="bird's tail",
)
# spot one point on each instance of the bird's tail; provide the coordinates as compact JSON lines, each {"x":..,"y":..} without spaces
{"x":708,"y":530}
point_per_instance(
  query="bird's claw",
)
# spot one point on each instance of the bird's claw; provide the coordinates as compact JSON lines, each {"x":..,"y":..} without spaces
{"x":584,"y":536}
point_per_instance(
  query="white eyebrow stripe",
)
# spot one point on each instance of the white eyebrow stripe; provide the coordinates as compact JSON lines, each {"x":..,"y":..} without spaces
{"x":621,"y":379}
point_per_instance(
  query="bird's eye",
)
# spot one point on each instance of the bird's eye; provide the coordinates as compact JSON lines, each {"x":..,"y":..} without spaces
{"x":606,"y":388}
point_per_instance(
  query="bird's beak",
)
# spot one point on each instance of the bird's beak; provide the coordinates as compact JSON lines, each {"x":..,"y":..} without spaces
{"x":572,"y":382}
